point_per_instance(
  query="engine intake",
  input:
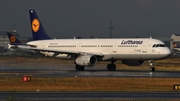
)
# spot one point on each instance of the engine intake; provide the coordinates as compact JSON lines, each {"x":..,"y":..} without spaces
{"x":132,"y":62}
{"x":86,"y":60}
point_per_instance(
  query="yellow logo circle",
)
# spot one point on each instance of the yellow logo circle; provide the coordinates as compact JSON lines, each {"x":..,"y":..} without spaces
{"x":35,"y":25}
{"x":12,"y":39}
{"x":175,"y":45}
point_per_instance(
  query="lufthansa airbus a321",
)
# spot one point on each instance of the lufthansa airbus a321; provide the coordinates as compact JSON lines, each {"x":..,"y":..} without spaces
{"x":87,"y":52}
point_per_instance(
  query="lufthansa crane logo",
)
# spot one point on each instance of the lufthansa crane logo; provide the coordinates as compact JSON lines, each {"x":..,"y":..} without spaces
{"x":35,"y":25}
{"x":175,"y":45}
{"x":12,"y":39}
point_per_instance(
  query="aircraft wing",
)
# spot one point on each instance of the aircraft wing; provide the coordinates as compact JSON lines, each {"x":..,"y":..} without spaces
{"x":59,"y":51}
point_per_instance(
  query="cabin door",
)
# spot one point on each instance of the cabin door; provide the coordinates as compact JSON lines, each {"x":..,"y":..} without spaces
{"x":114,"y":51}
{"x":78,"y":46}
{"x":144,"y":48}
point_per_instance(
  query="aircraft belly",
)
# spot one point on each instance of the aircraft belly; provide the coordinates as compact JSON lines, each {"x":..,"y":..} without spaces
{"x":139,"y":56}
{"x":128,"y":57}
{"x":107,"y":57}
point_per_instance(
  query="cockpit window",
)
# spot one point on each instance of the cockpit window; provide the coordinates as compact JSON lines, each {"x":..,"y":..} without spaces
{"x":162,"y":45}
{"x":158,"y":45}
{"x":154,"y":45}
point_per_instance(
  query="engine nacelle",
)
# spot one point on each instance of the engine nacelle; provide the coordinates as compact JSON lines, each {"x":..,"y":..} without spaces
{"x":132,"y":62}
{"x":86,"y":60}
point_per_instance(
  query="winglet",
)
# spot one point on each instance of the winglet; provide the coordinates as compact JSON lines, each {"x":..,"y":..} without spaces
{"x":36,"y":27}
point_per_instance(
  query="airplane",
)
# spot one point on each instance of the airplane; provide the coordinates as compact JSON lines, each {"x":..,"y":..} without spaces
{"x":87,"y":52}
{"x":15,"y":42}
{"x":176,"y":46}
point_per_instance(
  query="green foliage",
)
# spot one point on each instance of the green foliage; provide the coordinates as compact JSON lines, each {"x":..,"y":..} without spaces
{"x":54,"y":81}
{"x":11,"y":98}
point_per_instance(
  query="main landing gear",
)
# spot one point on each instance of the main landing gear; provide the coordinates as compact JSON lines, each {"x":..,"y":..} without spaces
{"x":151,"y":63}
{"x":79,"y":68}
{"x":112,"y":66}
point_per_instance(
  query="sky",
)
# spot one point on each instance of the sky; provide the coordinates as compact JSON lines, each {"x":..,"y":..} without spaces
{"x":86,"y":18}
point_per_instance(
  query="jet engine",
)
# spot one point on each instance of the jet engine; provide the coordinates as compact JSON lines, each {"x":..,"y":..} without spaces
{"x":86,"y":60}
{"x":132,"y":62}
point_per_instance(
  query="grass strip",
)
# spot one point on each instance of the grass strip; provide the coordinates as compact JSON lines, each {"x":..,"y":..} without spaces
{"x":89,"y":84}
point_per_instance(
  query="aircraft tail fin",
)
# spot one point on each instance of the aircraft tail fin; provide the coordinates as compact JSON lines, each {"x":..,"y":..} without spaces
{"x":13,"y":40}
{"x":176,"y":44}
{"x":36,"y":26}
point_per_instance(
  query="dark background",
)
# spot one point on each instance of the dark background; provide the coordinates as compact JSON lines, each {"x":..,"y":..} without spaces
{"x":86,"y":18}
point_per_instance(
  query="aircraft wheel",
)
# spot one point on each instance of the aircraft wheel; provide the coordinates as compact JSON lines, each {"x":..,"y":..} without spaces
{"x":152,"y":69}
{"x":79,"y":68}
{"x":111,"y":67}
{"x":82,"y":68}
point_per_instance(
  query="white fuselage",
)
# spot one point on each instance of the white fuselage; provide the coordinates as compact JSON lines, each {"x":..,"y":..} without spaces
{"x":118,"y":49}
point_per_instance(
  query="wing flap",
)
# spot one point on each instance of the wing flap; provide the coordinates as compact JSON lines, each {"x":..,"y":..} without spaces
{"x":60,"y":51}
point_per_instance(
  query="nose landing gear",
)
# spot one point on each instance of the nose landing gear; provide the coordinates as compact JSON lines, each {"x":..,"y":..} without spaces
{"x":151,"y":63}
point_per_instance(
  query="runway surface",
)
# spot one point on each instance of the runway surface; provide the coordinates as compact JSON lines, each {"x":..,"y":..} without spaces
{"x":50,"y":67}
{"x":43,"y":71}
{"x":89,"y":72}
{"x":91,"y":95}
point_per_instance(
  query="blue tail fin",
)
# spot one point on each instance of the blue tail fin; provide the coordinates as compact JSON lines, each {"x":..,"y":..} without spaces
{"x":13,"y":40}
{"x":36,"y":26}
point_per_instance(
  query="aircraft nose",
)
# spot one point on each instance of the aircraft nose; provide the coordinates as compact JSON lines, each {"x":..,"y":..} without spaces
{"x":168,"y":52}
